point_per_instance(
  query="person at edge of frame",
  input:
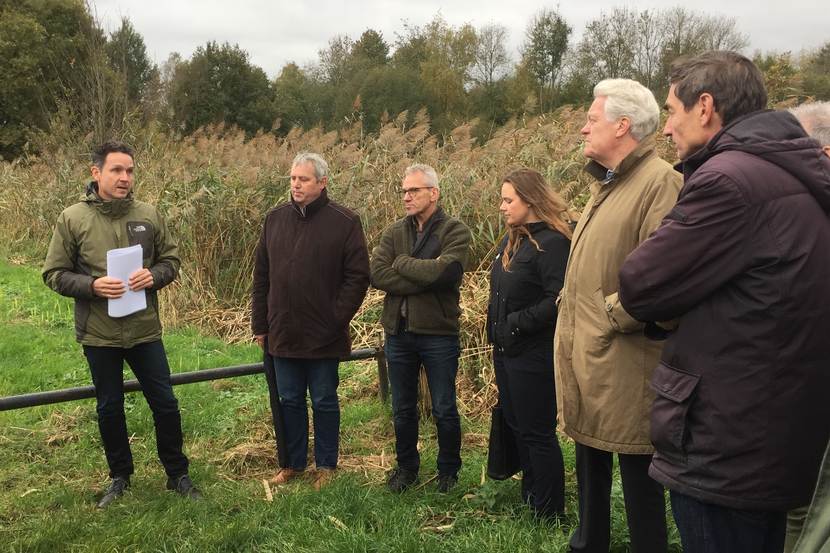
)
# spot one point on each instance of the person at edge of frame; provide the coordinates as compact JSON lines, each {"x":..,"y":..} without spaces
{"x":741,"y":418}
{"x":808,"y":529}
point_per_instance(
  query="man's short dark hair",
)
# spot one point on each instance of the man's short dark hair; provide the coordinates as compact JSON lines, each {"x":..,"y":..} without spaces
{"x":735,"y":83}
{"x":99,"y":155}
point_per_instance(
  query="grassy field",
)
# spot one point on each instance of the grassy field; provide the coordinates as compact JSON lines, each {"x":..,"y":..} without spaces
{"x":52,"y":466}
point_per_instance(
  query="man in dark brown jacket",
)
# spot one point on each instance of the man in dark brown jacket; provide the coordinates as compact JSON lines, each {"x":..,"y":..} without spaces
{"x":310,"y":276}
{"x":741,"y":417}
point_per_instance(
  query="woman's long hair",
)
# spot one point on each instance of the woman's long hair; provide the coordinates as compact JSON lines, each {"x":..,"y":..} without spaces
{"x":548,"y":206}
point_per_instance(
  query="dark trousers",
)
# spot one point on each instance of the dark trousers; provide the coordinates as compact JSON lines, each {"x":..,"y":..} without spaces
{"x":149,"y":364}
{"x":645,"y":504}
{"x":528,"y":400}
{"x":320,"y":378}
{"x":708,"y":528}
{"x":405,"y":352}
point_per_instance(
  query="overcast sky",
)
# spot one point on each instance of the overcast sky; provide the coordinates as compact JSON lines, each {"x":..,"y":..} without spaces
{"x":277,"y":32}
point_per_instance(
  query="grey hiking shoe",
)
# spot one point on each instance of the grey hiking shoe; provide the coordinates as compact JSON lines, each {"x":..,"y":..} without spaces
{"x":400,"y":479}
{"x":446,"y":482}
{"x":114,"y":491}
{"x":183,"y":486}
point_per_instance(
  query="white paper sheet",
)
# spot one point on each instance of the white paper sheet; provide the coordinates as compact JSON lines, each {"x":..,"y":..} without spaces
{"x":121,"y":263}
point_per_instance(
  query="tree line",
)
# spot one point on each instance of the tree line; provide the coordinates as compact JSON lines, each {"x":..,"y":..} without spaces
{"x":61,"y":73}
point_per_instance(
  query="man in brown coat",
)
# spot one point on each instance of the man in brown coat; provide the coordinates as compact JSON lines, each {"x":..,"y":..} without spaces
{"x":310,"y":277}
{"x":603,"y":360}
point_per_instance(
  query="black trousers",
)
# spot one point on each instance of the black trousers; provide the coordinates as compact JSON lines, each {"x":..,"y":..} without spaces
{"x":149,"y":363}
{"x":645,"y":504}
{"x":528,"y":400}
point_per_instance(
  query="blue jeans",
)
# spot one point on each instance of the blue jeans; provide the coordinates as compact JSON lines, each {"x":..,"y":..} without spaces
{"x":709,"y":528}
{"x":405,"y":352}
{"x":149,"y":364}
{"x":320,"y":378}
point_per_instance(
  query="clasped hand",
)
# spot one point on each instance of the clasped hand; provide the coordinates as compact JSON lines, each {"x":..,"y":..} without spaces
{"x":112,"y":288}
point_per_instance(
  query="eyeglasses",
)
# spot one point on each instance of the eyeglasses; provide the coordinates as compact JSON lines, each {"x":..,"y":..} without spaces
{"x":411,"y":191}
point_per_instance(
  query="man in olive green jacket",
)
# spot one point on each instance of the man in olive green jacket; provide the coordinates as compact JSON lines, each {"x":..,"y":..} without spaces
{"x":107,"y":218}
{"x":603,"y":361}
{"x":419,"y":264}
{"x":813,"y":526}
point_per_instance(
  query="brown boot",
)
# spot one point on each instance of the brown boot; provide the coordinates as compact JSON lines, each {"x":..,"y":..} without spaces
{"x":284,"y":476}
{"x":323,"y":478}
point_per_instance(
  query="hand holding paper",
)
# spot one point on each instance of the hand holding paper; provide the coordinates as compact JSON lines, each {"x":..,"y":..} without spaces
{"x":108,"y":287}
{"x":124,"y":264}
{"x":140,"y":280}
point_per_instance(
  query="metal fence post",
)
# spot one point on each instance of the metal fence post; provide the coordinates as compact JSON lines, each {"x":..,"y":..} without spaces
{"x":383,"y":375}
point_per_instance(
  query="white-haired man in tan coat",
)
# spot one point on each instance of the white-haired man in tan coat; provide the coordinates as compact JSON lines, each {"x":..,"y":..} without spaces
{"x":603,"y":360}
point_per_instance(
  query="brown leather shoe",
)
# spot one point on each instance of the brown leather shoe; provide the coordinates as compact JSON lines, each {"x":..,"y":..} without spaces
{"x":284,"y":476}
{"x":323,"y":478}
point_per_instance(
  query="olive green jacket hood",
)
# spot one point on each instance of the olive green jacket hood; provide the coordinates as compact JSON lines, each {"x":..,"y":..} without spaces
{"x":77,"y":255}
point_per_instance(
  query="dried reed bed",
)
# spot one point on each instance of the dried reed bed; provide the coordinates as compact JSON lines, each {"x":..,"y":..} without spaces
{"x":367,"y":448}
{"x":215,"y":187}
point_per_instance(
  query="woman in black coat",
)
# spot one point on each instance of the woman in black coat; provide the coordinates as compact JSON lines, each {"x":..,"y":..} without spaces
{"x":525,"y":280}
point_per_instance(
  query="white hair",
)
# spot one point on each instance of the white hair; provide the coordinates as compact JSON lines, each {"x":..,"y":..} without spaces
{"x":321,"y":168}
{"x":426,"y":170}
{"x":815,"y":118}
{"x":627,"y":98}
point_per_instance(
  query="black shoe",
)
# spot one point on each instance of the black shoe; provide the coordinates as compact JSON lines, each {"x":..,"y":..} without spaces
{"x":114,"y":491}
{"x":182,"y":485}
{"x":400,"y":479}
{"x":446,"y":482}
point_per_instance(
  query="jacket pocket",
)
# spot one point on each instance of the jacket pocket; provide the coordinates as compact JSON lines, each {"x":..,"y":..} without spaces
{"x":604,"y":330}
{"x":675,"y":393}
{"x":440,"y":305}
{"x":505,"y":339}
{"x":141,"y":233}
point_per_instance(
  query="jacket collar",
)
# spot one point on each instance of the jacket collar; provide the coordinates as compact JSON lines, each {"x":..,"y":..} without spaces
{"x":691,"y":164}
{"x":308,"y":211}
{"x":606,"y":180}
{"x":434,"y":219}
{"x":533,"y":228}
{"x":777,"y":138}
{"x":605,"y":176}
{"x":111,"y":208}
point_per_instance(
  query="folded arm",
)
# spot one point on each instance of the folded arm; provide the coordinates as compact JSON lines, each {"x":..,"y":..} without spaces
{"x":384,"y":276}
{"x":446,"y":269}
